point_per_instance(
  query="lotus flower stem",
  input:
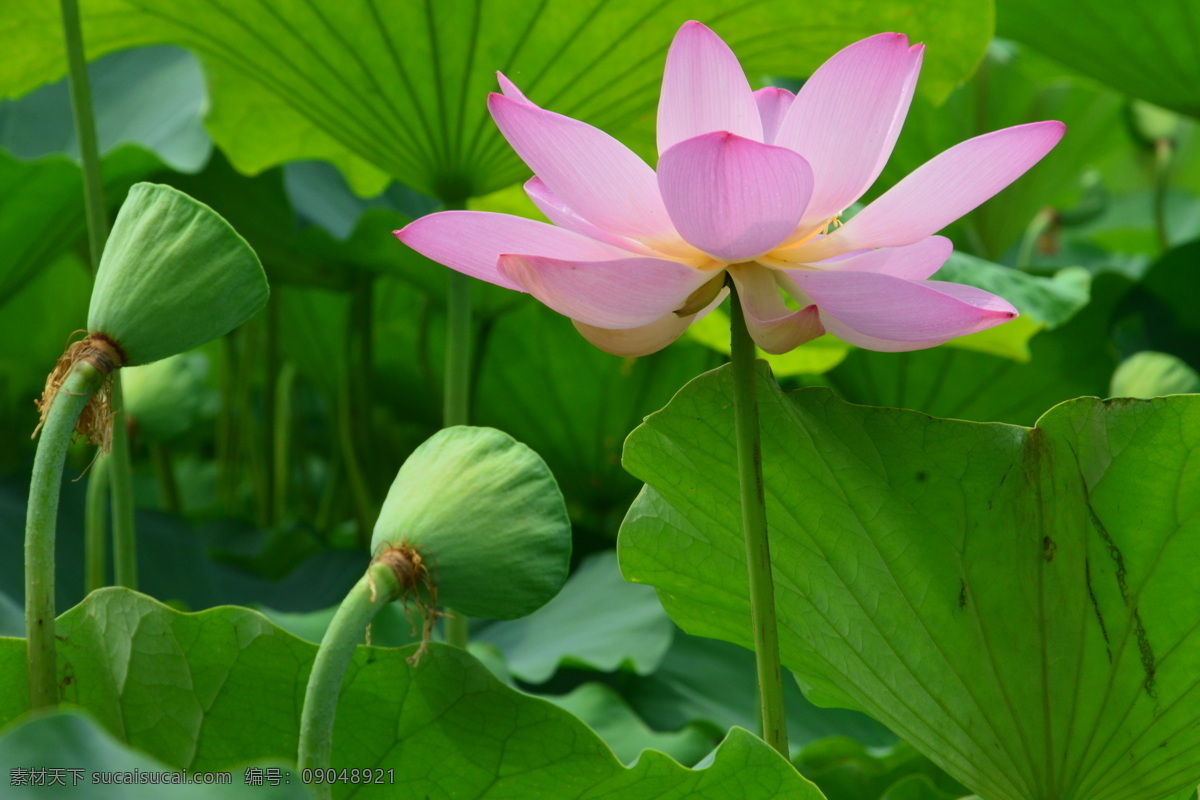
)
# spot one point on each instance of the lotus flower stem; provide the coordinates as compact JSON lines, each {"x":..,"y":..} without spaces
{"x":120,"y":476}
{"x":95,"y":526}
{"x":754,"y":526}
{"x":40,"y":523}
{"x":85,"y":128}
{"x":282,"y":439}
{"x":380,"y":586}
{"x":1163,"y":150}
{"x":456,"y":399}
{"x":97,"y":223}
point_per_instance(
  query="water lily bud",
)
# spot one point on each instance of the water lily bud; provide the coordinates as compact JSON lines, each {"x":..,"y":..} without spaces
{"x":165,"y":398}
{"x":174,"y":275}
{"x":486,"y":520}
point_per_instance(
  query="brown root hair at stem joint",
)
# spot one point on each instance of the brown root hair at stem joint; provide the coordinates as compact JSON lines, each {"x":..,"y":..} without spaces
{"x":413,"y":575}
{"x":95,"y":423}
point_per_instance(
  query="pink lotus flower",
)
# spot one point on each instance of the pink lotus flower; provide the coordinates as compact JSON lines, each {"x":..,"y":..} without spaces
{"x":751,"y":184}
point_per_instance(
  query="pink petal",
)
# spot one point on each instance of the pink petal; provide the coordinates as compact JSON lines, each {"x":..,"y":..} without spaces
{"x":562,"y":215}
{"x":898,"y":310}
{"x":773,"y":104}
{"x":851,"y":336}
{"x":915,"y":261}
{"x":630,"y":342}
{"x":593,"y":173}
{"x":626,"y":293}
{"x":733,"y":198}
{"x":941,"y":190}
{"x":472,"y":242}
{"x":773,"y":326}
{"x":847,"y":116}
{"x":511,"y":91}
{"x":704,"y":90}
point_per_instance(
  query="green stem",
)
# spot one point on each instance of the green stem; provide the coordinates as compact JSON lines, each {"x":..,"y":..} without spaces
{"x":754,"y":526}
{"x":164,"y":474}
{"x":282,"y":440}
{"x":120,"y":477}
{"x":95,"y":526}
{"x":1163,"y":150}
{"x":364,"y":510}
{"x":362,"y":358}
{"x":93,"y":196}
{"x":85,"y":130}
{"x":456,"y":400}
{"x":40,"y":523}
{"x":374,"y":590}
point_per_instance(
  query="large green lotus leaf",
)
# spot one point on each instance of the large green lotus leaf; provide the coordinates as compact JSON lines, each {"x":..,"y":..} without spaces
{"x":173,"y":276}
{"x":1013,"y":86}
{"x":626,"y":627}
{"x":1072,"y":360}
{"x":1015,"y":602}
{"x":82,"y":750}
{"x":1154,"y":56}
{"x":398,"y":88}
{"x":212,"y":690}
{"x":485,"y":513}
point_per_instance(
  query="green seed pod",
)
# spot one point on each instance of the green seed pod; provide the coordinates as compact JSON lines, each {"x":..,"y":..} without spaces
{"x":174,"y":275}
{"x":165,"y":398}
{"x":485,"y":517}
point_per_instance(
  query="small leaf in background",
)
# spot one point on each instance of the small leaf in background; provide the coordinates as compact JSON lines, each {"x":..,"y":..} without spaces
{"x":150,"y":97}
{"x":845,"y":770}
{"x":926,"y":568}
{"x":164,"y":399}
{"x":486,"y":517}
{"x":606,"y":713}
{"x":712,"y":683}
{"x":598,"y":621}
{"x":1151,"y":374}
{"x":173,"y":276}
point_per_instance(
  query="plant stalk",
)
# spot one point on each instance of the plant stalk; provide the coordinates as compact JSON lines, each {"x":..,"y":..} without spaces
{"x":164,"y":473}
{"x":1163,"y":151}
{"x":754,"y":527}
{"x":456,"y":401}
{"x":95,"y":527}
{"x":121,"y":479}
{"x":282,"y":438}
{"x":41,"y":520}
{"x":373,"y":591}
{"x":85,"y":130}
